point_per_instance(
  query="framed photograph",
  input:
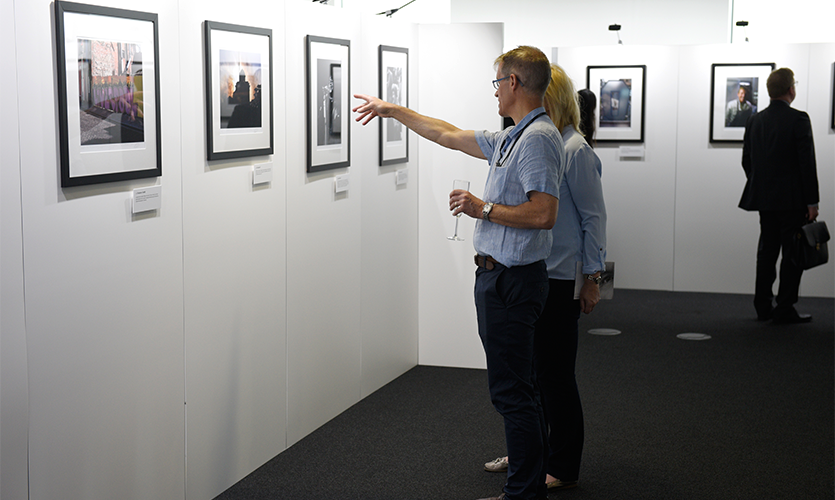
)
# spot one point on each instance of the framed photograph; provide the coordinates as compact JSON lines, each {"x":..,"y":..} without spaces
{"x":620,"y":92}
{"x":239,"y":91}
{"x":833,"y":96}
{"x":394,"y":88}
{"x":328,"y":68}
{"x":737,"y":92}
{"x":108,"y":94}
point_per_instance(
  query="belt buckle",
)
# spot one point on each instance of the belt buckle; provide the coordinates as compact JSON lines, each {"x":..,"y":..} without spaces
{"x":482,"y":261}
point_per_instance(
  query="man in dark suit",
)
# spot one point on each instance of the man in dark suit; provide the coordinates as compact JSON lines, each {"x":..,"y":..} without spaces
{"x":778,"y":156}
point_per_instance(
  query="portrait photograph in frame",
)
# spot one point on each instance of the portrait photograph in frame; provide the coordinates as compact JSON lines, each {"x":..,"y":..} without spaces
{"x":737,"y":92}
{"x":394,"y":88}
{"x":108,"y":94}
{"x":328,"y":71}
{"x":239,"y":91}
{"x":620,"y":93}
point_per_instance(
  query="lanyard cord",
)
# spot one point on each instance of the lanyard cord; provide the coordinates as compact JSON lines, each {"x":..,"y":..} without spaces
{"x":501,"y":159}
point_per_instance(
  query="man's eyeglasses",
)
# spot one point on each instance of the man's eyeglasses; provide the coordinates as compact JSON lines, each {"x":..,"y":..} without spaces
{"x":497,"y":82}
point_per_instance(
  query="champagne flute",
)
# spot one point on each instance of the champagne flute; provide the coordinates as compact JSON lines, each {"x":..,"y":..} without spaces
{"x":464,"y":186}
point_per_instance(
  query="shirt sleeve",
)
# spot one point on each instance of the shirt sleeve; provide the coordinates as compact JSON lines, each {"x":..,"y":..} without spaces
{"x":537,"y":162}
{"x":487,"y":142}
{"x":584,"y":182}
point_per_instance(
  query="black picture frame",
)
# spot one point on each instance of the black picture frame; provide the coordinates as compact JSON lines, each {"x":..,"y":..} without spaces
{"x":394,"y":88}
{"x":327,"y":93}
{"x":107,"y":63}
{"x":239,"y":113}
{"x":727,"y":122}
{"x":832,"y":126}
{"x":615,"y":119}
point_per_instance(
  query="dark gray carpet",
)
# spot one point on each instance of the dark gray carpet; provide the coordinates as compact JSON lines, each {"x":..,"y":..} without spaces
{"x":748,"y":414}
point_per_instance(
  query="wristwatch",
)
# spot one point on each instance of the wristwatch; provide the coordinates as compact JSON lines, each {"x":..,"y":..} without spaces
{"x":596,"y":281}
{"x":485,"y":212}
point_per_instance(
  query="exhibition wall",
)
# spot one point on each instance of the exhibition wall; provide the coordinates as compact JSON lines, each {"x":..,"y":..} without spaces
{"x":169,"y":353}
{"x":673,"y":222}
{"x":673,"y":216}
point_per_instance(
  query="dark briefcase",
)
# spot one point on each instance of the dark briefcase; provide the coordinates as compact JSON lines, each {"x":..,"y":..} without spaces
{"x":811,"y":249}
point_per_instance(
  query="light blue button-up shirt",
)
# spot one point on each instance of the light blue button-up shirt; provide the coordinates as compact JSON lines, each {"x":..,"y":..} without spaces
{"x":580,"y":231}
{"x":527,"y":157}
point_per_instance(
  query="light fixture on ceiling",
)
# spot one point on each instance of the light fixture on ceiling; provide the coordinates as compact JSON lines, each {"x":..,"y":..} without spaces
{"x":744,"y":25}
{"x":616,"y":29}
{"x":389,"y":12}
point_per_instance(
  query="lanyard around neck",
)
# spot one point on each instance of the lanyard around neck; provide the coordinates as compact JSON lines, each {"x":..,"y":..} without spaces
{"x":505,"y":156}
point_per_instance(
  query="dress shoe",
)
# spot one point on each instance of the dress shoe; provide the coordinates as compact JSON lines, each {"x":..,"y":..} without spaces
{"x":793,"y":318}
{"x":497,"y":465}
{"x":556,"y":484}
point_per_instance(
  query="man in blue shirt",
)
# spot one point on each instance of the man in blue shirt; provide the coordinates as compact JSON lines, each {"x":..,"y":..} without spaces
{"x":512,"y":239}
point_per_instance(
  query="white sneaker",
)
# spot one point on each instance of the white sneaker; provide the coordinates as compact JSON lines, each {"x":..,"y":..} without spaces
{"x":497,"y":465}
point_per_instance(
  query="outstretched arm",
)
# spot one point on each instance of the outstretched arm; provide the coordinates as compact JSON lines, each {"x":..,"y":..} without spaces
{"x":437,"y":131}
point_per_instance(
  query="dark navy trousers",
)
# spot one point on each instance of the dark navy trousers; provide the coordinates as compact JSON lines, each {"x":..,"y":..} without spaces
{"x":508,"y":302}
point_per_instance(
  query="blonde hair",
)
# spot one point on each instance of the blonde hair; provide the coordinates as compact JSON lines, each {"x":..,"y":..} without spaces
{"x":560,"y":101}
{"x":529,"y":65}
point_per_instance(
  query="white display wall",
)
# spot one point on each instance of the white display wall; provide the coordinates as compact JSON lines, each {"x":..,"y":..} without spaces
{"x":169,"y":354}
{"x":14,"y":413}
{"x":448,"y":330}
{"x":673,"y":222}
{"x":673,"y":217}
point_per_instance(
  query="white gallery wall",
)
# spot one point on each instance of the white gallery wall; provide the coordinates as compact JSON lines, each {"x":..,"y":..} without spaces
{"x":103,"y":298}
{"x":169,"y":354}
{"x":234,"y":294}
{"x":674,"y":222}
{"x":14,"y":413}
{"x":448,"y":330}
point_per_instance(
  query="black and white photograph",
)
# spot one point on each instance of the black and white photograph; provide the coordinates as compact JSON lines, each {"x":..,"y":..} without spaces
{"x":239,"y":106}
{"x":328,"y":77}
{"x":394,"y":88}
{"x":738,"y":92}
{"x":620,"y":93}
{"x":107,"y":94}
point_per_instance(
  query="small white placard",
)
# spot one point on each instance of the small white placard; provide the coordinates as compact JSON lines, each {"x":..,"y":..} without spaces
{"x":261,"y":173}
{"x":631,"y":151}
{"x":149,"y":198}
{"x":340,"y":183}
{"x":401,"y":177}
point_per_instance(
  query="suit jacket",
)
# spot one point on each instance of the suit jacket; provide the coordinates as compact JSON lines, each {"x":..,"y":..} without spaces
{"x":778,"y":156}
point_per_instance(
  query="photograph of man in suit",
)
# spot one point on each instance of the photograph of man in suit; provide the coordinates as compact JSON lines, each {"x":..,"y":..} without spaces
{"x":778,"y":157}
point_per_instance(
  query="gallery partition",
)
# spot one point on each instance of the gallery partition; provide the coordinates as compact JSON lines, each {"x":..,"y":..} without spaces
{"x":167,"y":353}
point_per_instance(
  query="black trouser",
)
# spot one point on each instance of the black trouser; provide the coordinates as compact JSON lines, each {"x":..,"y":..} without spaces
{"x":778,"y":230}
{"x":508,"y":302}
{"x":555,"y":354}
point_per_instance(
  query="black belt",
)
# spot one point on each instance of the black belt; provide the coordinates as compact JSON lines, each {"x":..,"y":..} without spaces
{"x":486,"y":262}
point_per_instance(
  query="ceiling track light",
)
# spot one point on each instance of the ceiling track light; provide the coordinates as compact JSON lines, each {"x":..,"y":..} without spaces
{"x":616,"y":29}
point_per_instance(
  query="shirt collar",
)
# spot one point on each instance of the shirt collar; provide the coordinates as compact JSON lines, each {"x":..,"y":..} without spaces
{"x":521,"y":125}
